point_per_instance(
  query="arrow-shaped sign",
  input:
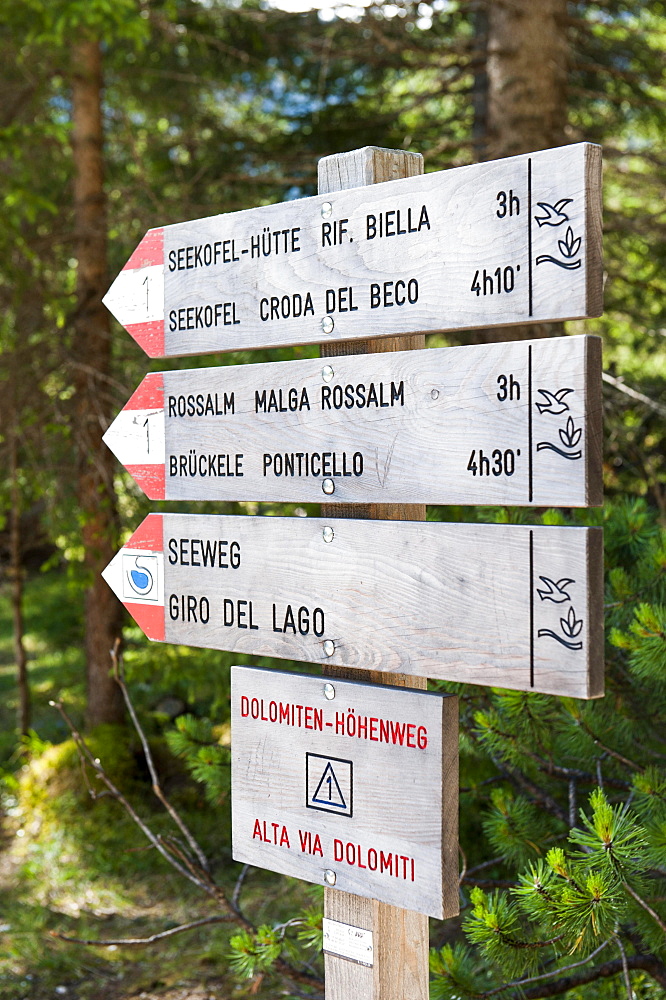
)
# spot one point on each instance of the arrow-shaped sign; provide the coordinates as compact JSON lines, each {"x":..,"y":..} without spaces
{"x":509,"y":241}
{"x":503,"y":605}
{"x":516,"y":423}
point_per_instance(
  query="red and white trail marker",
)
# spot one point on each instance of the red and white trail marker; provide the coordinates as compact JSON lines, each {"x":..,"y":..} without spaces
{"x":137,"y":434}
{"x":136,"y":298}
{"x":509,"y":241}
{"x":136,"y":576}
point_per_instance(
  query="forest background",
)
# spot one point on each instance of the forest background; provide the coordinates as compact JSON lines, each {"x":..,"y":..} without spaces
{"x":120,"y":115}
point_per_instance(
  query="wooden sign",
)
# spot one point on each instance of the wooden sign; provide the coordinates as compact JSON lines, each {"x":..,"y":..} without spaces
{"x":508,"y":241}
{"x":347,"y":785}
{"x":516,"y":423}
{"x":504,"y":605}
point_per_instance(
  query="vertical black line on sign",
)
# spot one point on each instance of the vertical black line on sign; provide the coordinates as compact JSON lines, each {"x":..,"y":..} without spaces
{"x":529,"y":232}
{"x":529,"y":424}
{"x":531,"y":608}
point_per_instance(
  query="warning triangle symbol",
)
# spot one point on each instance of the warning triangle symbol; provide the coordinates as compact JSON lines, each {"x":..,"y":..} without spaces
{"x":328,"y":792}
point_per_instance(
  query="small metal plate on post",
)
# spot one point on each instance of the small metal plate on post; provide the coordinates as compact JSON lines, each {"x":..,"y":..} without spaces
{"x":352,"y":943}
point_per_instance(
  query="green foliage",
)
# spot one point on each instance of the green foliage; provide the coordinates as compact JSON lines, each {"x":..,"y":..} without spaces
{"x":455,"y":973}
{"x":256,"y":952}
{"x":193,"y":740}
{"x":611,"y":840}
{"x":576,"y":881}
{"x":60,"y":21}
{"x":311,"y":930}
{"x":514,"y":826}
{"x":253,"y":953}
{"x":569,"y":903}
{"x":645,"y":642}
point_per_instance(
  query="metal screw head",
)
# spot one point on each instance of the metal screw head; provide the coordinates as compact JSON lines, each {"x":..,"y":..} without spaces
{"x":328,"y":486}
{"x":329,"y":647}
{"x":434,"y":393}
{"x":326,"y":210}
{"x":327,"y":533}
{"x":327,"y":373}
{"x":329,"y":877}
{"x":329,"y":692}
{"x":327,"y":324}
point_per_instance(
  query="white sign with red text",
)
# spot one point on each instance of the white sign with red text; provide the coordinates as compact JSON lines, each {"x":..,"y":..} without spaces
{"x":346,"y":784}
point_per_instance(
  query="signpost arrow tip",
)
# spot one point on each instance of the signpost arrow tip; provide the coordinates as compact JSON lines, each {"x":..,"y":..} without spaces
{"x":136,"y":297}
{"x":136,"y":436}
{"x":136,"y":576}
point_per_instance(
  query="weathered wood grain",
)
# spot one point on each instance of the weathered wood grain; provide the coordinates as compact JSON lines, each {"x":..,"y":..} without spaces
{"x":338,"y":784}
{"x":516,"y":423}
{"x":401,"y":936}
{"x":507,"y":241}
{"x":496,"y":604}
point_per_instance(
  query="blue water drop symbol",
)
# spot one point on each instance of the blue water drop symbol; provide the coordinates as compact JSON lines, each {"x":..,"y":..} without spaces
{"x":140,"y":580}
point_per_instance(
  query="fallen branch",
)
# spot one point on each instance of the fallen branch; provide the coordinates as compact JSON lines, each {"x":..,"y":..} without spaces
{"x":634,"y":394}
{"x":157,"y":788}
{"x":95,"y":764}
{"x":136,"y":942}
{"x":646,"y":963}
{"x":546,"y":975}
{"x":185,"y":856}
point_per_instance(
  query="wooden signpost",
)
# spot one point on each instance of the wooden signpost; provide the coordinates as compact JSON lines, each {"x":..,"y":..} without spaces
{"x":502,"y":605}
{"x":383,"y":253}
{"x":402,"y":938}
{"x":509,"y":241}
{"x":344,"y":784}
{"x":516,"y":423}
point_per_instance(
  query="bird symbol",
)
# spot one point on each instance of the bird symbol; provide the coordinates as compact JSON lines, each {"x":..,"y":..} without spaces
{"x":554,"y":401}
{"x":554,"y":215}
{"x":556,"y":592}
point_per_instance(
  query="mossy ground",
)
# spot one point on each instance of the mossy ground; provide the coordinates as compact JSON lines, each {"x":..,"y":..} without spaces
{"x":82,"y":867}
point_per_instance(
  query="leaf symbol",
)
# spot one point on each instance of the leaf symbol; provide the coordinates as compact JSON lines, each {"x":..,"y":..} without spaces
{"x":571,"y":626}
{"x":570,"y":436}
{"x":569,"y":246}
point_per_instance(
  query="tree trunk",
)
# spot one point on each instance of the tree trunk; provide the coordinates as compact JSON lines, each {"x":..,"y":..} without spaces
{"x":16,"y":577}
{"x":527,"y":68}
{"x":92,"y":364}
{"x":525,"y":106}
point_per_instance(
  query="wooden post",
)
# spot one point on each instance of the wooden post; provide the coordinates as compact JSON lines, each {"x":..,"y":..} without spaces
{"x":400,"y":969}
